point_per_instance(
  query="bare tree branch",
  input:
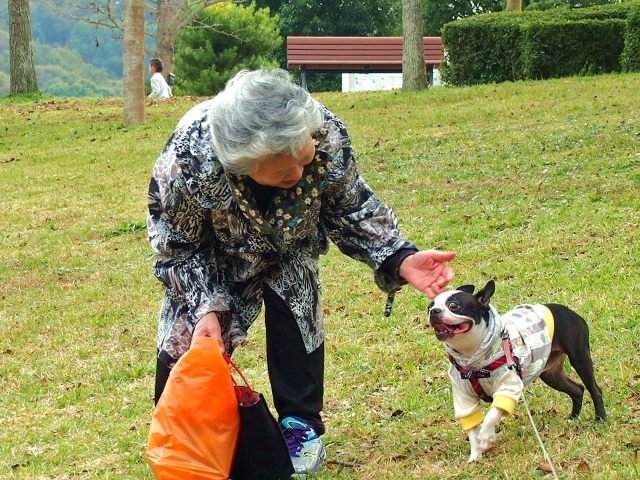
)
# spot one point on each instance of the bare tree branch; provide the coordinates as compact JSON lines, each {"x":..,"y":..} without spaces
{"x":188,"y":13}
{"x":110,"y":16}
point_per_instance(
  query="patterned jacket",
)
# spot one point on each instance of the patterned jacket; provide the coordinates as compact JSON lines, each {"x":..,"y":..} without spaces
{"x":215,"y":248}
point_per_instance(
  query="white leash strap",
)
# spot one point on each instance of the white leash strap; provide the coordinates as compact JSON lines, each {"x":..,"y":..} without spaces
{"x":544,"y":450}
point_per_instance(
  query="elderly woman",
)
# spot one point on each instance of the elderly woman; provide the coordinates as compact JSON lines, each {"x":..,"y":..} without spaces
{"x":243,"y":200}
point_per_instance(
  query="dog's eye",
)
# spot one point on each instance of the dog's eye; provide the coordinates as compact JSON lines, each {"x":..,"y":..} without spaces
{"x":453,"y":306}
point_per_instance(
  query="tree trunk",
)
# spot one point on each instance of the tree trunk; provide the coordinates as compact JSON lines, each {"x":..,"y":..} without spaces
{"x":22,"y":67}
{"x":133,"y":62}
{"x":165,"y":34}
{"x":514,"y":5}
{"x":414,"y":74}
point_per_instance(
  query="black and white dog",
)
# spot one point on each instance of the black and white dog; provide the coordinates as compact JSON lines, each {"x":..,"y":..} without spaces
{"x":493,"y":357}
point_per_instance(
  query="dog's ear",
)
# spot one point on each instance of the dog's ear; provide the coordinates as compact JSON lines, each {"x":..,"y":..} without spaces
{"x":467,"y":288}
{"x":486,"y":293}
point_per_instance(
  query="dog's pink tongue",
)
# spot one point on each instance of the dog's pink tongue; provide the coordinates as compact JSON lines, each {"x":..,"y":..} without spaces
{"x":460,"y":328}
{"x":463,"y":327}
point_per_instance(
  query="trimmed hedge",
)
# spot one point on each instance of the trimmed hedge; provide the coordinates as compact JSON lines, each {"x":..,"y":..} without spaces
{"x":508,"y":46}
{"x":563,"y":49}
{"x":631,"y":55}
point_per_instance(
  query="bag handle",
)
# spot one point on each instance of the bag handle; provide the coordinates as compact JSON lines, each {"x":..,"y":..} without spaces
{"x":237,"y":369}
{"x":246,"y":395}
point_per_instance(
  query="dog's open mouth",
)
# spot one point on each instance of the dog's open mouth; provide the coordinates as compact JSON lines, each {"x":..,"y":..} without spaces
{"x":457,"y":329}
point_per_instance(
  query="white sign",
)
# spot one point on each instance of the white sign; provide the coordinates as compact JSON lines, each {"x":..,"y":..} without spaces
{"x":362,"y":82}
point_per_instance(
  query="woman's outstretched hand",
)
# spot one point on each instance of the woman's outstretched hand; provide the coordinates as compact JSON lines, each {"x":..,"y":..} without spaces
{"x":428,"y":271}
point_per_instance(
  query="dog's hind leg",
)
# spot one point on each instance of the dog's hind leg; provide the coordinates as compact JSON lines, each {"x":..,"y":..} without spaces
{"x":583,"y":365}
{"x":575,"y":343}
{"x":555,"y":376}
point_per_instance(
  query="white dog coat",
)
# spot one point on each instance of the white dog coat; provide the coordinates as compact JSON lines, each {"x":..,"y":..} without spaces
{"x":530,"y":329}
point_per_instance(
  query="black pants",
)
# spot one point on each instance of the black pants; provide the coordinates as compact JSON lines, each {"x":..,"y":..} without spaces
{"x":297,"y":377}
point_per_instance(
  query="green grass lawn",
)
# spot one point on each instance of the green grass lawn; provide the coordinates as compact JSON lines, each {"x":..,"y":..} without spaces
{"x":535,"y":184}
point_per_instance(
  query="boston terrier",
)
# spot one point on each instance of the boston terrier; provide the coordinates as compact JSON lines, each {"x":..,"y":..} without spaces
{"x":493,"y":357}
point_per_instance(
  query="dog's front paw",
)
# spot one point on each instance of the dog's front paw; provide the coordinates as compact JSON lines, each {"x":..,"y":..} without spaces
{"x":487,"y":434}
{"x":475,"y":456}
{"x":476,"y":452}
{"x":486,"y":439}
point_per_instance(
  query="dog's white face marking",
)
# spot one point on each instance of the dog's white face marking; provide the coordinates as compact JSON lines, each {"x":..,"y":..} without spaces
{"x":440,"y":300}
{"x":456,"y":317}
{"x":447,"y":317}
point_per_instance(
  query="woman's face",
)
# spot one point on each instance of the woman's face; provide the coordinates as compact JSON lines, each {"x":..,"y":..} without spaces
{"x":284,"y":171}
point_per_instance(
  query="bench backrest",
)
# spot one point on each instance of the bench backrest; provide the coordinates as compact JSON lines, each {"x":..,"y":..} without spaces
{"x":345,"y":53}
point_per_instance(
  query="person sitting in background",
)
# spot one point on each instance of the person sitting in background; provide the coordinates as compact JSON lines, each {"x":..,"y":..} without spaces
{"x":159,"y":87}
{"x":243,"y":200}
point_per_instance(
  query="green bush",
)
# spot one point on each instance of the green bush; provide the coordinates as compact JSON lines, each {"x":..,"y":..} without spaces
{"x":482,"y":49}
{"x":551,"y":4}
{"x":233,"y":38}
{"x":562,"y":49}
{"x":631,"y":55}
{"x":493,"y":48}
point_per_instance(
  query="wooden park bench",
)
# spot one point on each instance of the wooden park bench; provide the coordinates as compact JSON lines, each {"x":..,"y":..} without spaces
{"x":355,"y":55}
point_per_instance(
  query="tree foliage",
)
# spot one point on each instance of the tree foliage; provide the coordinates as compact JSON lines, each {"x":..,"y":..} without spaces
{"x":341,"y":17}
{"x":436,"y":13}
{"x":237,"y":37}
{"x":50,"y":28}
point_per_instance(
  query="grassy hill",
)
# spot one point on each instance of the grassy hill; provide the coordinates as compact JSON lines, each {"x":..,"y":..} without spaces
{"x":534,"y":184}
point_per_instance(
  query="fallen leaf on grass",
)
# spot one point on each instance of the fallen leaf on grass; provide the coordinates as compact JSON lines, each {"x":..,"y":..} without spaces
{"x":584,"y":466}
{"x":545,"y":467}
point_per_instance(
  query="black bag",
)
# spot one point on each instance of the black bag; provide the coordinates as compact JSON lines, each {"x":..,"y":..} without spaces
{"x":261,"y":452}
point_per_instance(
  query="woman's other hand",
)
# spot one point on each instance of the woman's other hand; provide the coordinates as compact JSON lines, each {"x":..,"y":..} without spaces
{"x":209,"y":326}
{"x":428,"y":271}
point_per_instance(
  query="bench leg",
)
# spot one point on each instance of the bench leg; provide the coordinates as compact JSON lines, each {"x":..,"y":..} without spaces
{"x":430,"y":75}
{"x":303,"y":74}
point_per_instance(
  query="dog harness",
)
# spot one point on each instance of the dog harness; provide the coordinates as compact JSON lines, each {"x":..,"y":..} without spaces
{"x":473,"y":374}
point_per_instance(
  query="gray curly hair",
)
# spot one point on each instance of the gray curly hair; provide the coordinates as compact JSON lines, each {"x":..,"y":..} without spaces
{"x":259,"y":114}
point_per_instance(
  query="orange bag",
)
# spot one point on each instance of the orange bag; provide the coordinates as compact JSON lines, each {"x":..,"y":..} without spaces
{"x":196,"y":422}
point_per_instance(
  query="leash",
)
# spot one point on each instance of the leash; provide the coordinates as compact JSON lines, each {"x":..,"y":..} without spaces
{"x":547,"y":457}
{"x":512,"y":362}
{"x":390,"y":298}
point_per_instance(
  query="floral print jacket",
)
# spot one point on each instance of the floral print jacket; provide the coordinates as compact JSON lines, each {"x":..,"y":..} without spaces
{"x":215,"y":248}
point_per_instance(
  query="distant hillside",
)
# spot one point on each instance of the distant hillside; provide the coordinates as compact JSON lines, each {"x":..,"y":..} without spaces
{"x":72,"y":58}
{"x":62,"y":72}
